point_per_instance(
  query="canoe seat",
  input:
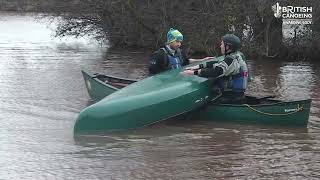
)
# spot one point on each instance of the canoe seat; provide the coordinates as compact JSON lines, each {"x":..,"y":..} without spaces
{"x":117,"y":84}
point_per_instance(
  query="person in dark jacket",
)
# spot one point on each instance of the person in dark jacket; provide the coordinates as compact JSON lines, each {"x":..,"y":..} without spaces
{"x":231,"y":74}
{"x":170,"y":56}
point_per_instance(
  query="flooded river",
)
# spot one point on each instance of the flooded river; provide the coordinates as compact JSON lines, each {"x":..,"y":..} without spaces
{"x":42,"y":92}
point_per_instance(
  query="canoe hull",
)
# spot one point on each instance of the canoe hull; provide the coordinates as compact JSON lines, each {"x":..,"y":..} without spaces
{"x":146,"y":102}
{"x":294,"y":113}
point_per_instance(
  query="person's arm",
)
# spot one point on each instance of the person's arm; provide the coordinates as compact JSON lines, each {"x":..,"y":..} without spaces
{"x":185,"y":58}
{"x":195,"y":60}
{"x":223,"y":68}
{"x":214,"y":70}
{"x":202,"y":65}
{"x":198,"y":60}
{"x":157,"y":62}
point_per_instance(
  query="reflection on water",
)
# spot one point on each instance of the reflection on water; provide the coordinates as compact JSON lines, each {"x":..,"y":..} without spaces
{"x":299,"y":83}
{"x":286,"y":80}
{"x":42,"y":92}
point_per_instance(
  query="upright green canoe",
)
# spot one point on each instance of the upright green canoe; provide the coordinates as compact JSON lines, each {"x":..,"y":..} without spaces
{"x":260,"y":110}
{"x":148,"y":101}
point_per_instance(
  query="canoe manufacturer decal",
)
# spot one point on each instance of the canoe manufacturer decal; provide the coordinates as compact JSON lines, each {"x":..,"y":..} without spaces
{"x":299,"y":108}
{"x":291,"y":110}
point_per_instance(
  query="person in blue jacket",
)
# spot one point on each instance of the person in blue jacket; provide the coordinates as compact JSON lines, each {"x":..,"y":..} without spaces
{"x":170,"y":56}
{"x":231,"y":73}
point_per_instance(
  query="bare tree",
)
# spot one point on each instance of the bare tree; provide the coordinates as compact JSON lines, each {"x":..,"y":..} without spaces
{"x":144,"y":23}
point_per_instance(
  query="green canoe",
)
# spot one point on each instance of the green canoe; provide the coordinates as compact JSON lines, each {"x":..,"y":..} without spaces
{"x":142,"y":103}
{"x":257,"y":110}
{"x":100,"y":86}
{"x":260,"y":110}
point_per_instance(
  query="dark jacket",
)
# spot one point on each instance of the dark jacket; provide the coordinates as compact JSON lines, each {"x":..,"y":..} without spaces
{"x":159,"y":60}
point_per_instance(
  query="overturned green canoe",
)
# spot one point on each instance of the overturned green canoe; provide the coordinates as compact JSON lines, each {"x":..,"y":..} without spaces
{"x":100,"y":85}
{"x":145,"y":102}
{"x":256,"y":110}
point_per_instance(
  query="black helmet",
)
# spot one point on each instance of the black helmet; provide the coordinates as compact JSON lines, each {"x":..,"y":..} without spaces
{"x":232,"y":40}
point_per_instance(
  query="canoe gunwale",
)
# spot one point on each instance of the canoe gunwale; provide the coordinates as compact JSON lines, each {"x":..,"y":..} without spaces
{"x":105,"y":84}
{"x":99,"y":78}
{"x":96,"y":75}
{"x":276,"y":103}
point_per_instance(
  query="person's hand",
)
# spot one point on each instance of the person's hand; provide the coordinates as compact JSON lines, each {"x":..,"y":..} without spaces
{"x":208,"y":58}
{"x":193,"y":67}
{"x":187,"y":72}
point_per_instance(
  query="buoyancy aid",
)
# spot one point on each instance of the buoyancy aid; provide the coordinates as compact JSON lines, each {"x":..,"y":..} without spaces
{"x":238,"y":80}
{"x":175,"y":61}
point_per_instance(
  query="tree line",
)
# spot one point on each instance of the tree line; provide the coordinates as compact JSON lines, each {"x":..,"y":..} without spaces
{"x":144,"y":23}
